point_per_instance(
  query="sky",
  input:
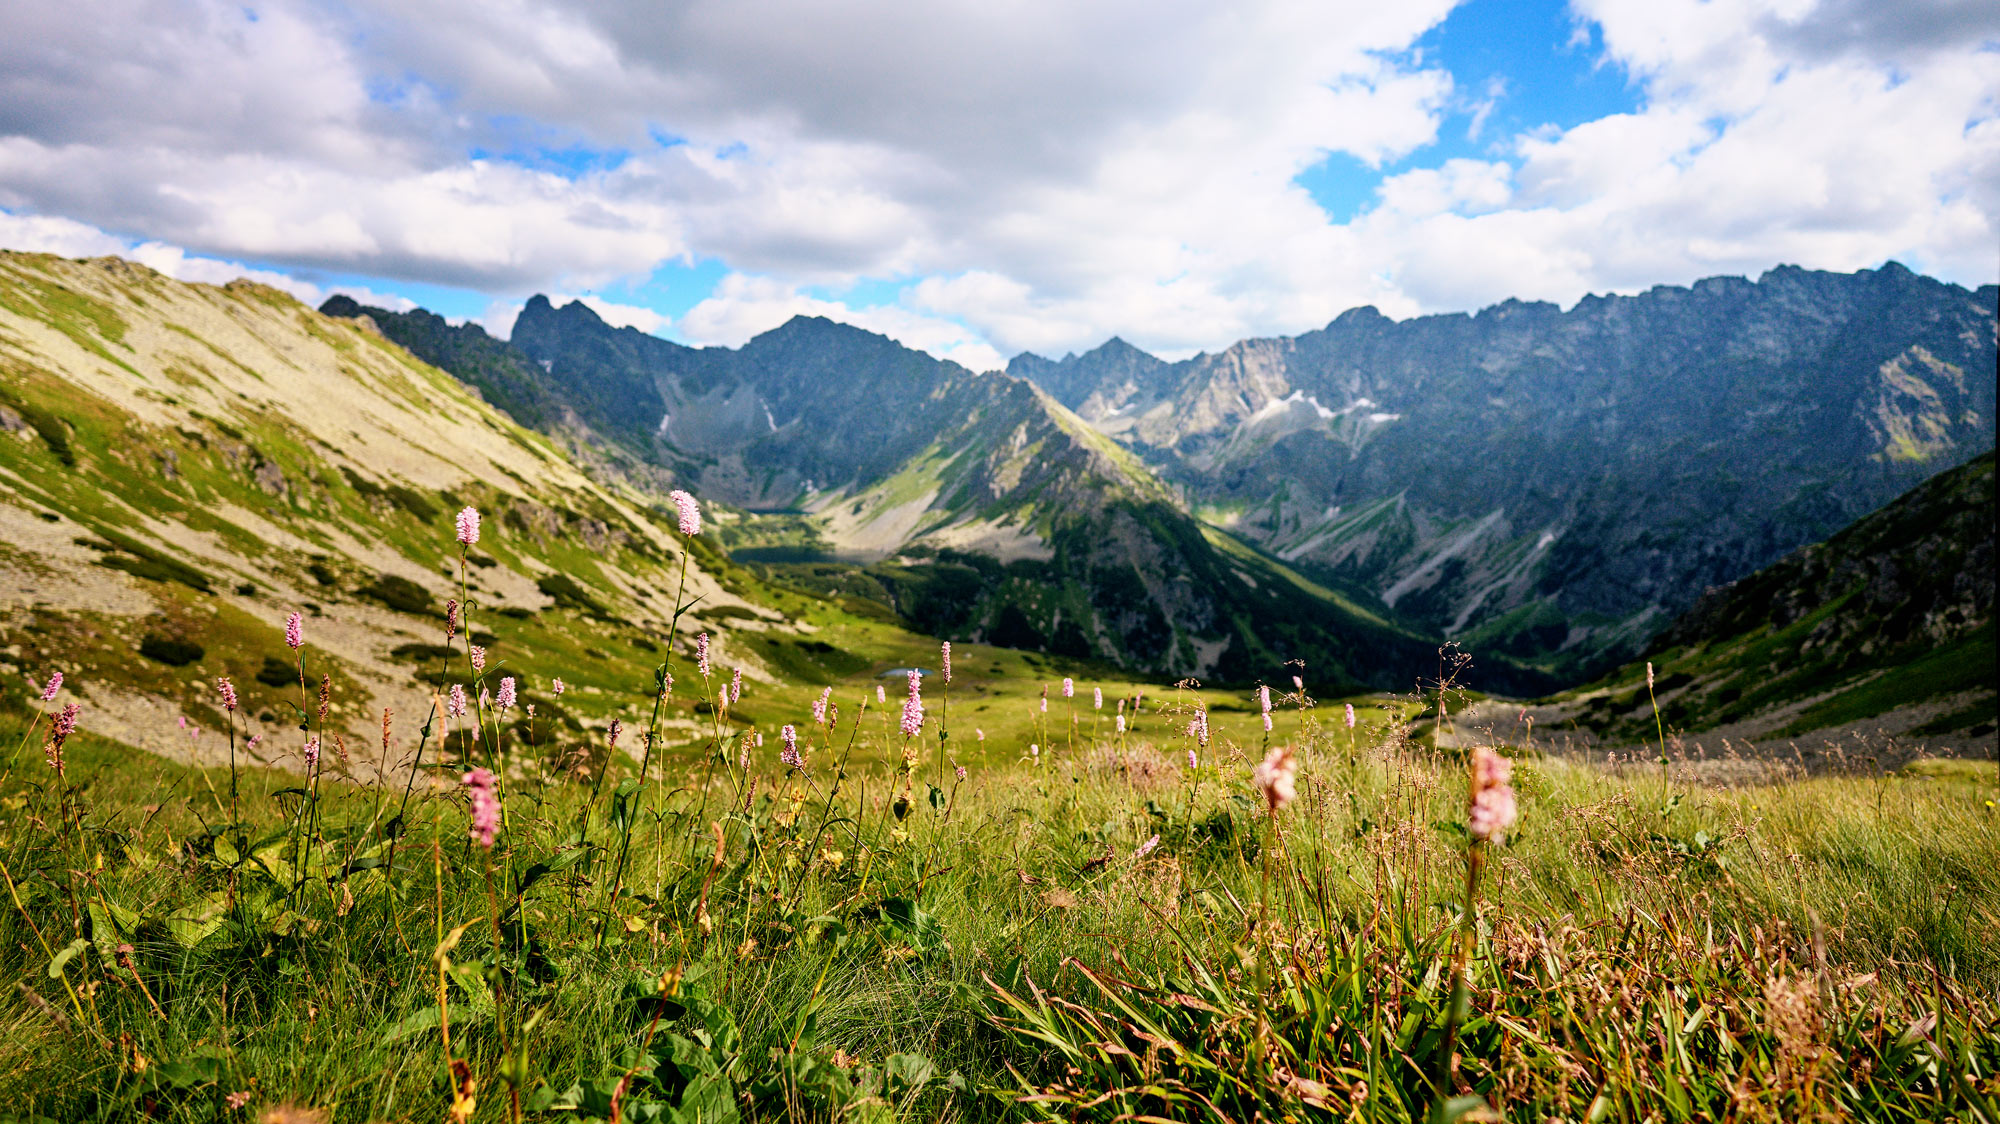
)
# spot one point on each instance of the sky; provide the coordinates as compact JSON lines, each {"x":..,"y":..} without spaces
{"x":977,"y":178}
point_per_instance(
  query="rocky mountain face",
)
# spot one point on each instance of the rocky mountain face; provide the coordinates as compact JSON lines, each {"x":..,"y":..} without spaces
{"x":1559,"y":485}
{"x":1893,"y":613}
{"x":1007,"y":518}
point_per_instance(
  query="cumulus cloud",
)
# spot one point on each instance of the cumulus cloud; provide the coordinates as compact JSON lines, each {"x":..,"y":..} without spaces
{"x":1041,"y":175}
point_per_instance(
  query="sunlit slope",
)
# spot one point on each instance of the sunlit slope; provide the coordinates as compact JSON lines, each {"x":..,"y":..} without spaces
{"x":183,"y":464}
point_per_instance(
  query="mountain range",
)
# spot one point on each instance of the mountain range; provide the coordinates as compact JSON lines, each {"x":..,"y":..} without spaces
{"x":1549,"y":488}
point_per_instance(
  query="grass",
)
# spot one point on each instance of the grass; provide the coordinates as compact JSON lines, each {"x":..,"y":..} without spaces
{"x":1102,"y":931}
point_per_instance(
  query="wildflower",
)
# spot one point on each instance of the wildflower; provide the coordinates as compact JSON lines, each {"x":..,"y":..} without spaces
{"x":478,"y":659}
{"x":1121,"y":723}
{"x":1194,"y":759}
{"x":944,"y":656}
{"x":1035,"y":753}
{"x":455,"y":708}
{"x":1198,"y":727}
{"x":312,"y":751}
{"x":228,"y":692}
{"x":238,"y":1099}
{"x":980,"y":732}
{"x":961,"y":776}
{"x":701,"y":654}
{"x":1274,"y":777}
{"x":59,"y":732}
{"x":450,"y":619}
{"x":690,"y":512}
{"x":913,"y":707}
{"x":819,"y":707}
{"x":294,"y":631}
{"x":557,"y":686}
{"x":485,"y":699}
{"x":881,"y":695}
{"x":1097,"y":698}
{"x":736,"y":687}
{"x":1146,"y":848}
{"x":1350,"y":716}
{"x":479,"y":784}
{"x":789,"y":755}
{"x":468,"y":526}
{"x":1045,"y":698}
{"x":50,"y":688}
{"x":252,"y":743}
{"x":505,"y":700}
{"x":1493,"y":809}
{"x":611,"y":735}
{"x":1069,"y":687}
{"x":1298,"y":684}
{"x":1267,"y":721}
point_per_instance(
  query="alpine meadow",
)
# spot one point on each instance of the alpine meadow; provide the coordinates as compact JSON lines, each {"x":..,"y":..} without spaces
{"x":576,"y":563}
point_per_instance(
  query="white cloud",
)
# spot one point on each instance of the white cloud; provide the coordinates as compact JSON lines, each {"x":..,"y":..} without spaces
{"x":1046,"y":174}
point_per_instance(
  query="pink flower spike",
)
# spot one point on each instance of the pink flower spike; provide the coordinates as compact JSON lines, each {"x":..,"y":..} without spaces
{"x":557,"y":687}
{"x":505,"y":700}
{"x":1267,"y":722}
{"x":944,"y":655}
{"x":481,"y":786}
{"x":50,"y":688}
{"x":295,"y":633}
{"x":59,"y":731}
{"x":478,"y":658}
{"x":611,"y":734}
{"x":228,"y":692}
{"x":736,"y":687}
{"x":450,"y":619}
{"x":1275,"y":777}
{"x":701,"y":654}
{"x":1097,"y":698}
{"x":1194,"y":760}
{"x":789,"y":756}
{"x":1298,"y":684}
{"x":1264,"y":702}
{"x":961,"y":772}
{"x":468,"y":526}
{"x":1069,"y":687}
{"x":455,"y":707}
{"x":312,"y":751}
{"x":913,"y":706}
{"x":881,"y":695}
{"x":689,"y":510}
{"x":1146,"y":848}
{"x":1350,"y":716}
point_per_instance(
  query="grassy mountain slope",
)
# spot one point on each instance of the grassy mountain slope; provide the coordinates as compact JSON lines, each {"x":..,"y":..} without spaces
{"x":1894,"y":612}
{"x":971,"y":505}
{"x":1559,"y":485}
{"x":181,"y":465}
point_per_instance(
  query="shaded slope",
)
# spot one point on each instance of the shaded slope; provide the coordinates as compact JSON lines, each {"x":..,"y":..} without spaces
{"x":1895,"y":611}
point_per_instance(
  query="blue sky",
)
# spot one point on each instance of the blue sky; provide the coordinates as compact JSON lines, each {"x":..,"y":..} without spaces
{"x":1041,"y":176}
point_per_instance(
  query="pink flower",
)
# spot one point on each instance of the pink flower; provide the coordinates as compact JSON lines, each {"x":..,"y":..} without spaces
{"x":505,"y":701}
{"x":1274,"y":777}
{"x":913,"y":706}
{"x":1493,"y":808}
{"x":455,"y":708}
{"x":312,"y":751}
{"x":252,"y":743}
{"x":228,"y":692}
{"x":881,"y":695}
{"x":1069,"y":687}
{"x":1194,"y":760}
{"x":980,"y":732}
{"x":1649,"y":675}
{"x":790,"y":754}
{"x":1198,"y":727}
{"x":736,"y":686}
{"x":690,"y":512}
{"x":238,"y":1099}
{"x":1267,"y":721}
{"x":468,"y":526}
{"x":701,"y":654}
{"x":819,"y":707}
{"x":294,"y":631}
{"x":944,"y":655}
{"x":480,"y":785}
{"x":557,"y":687}
{"x":1264,"y":702}
{"x":961,"y":772}
{"x":1045,"y":698}
{"x":478,"y":658}
{"x":1097,"y":698}
{"x":1298,"y":684}
{"x":450,"y":619}
{"x":1146,"y":848}
{"x":59,"y":732}
{"x":611,"y":734}
{"x":50,"y":688}
{"x":1350,"y":716}
{"x":1121,"y":723}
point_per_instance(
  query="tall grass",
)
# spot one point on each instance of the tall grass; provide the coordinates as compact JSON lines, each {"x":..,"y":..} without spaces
{"x":693,"y":935}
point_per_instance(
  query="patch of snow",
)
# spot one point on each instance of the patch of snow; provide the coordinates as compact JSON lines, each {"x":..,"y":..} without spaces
{"x":549,"y":365}
{"x":1378,"y":419}
{"x":768,"y":419}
